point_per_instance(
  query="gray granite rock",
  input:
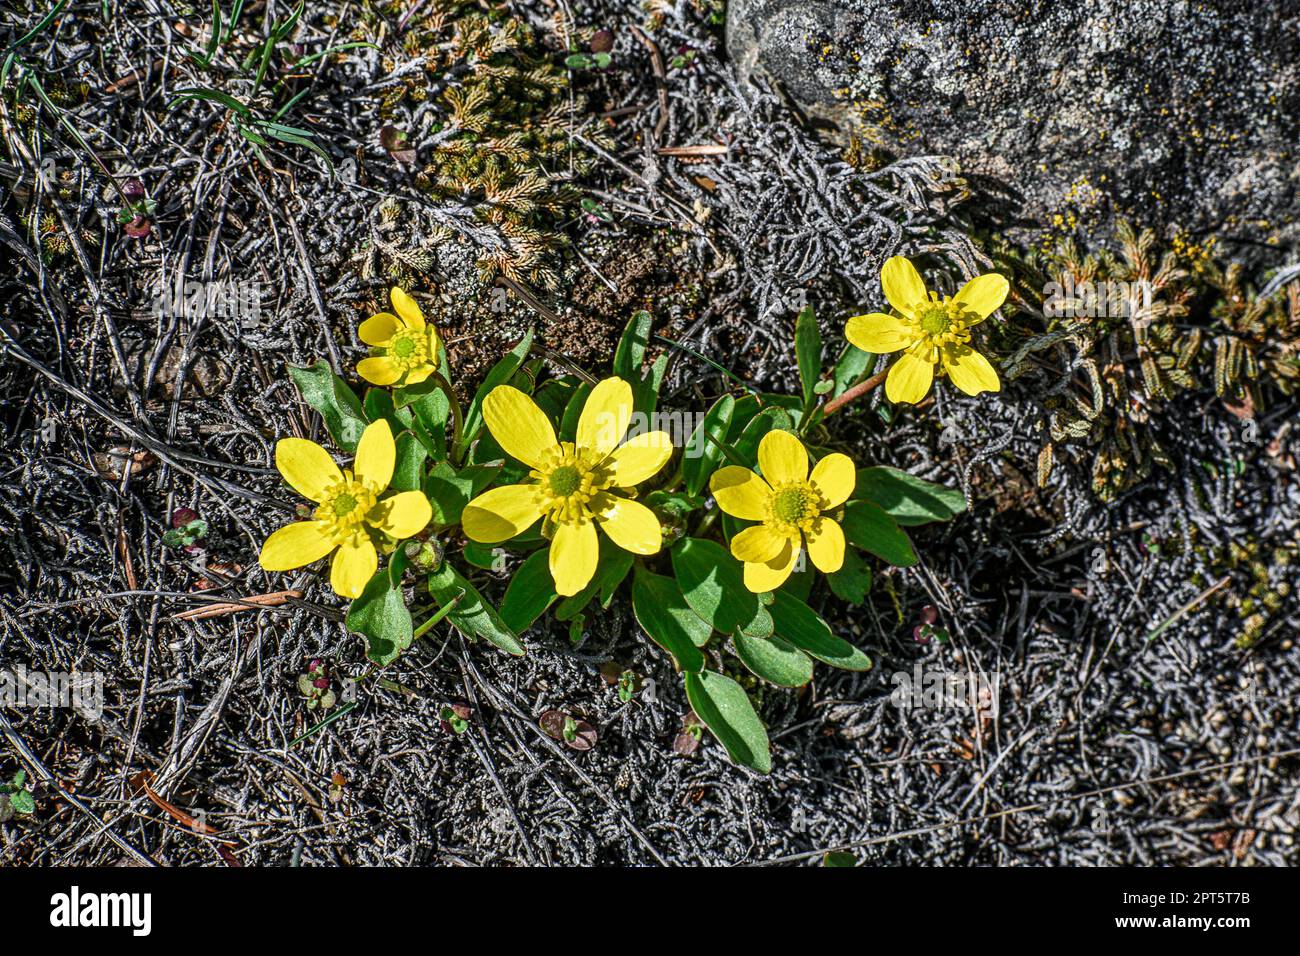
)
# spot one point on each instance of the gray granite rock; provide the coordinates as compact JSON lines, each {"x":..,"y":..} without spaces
{"x":1184,"y":116}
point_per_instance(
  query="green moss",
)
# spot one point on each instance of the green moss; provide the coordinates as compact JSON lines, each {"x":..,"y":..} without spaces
{"x":1183,"y":321}
{"x":503,"y":113}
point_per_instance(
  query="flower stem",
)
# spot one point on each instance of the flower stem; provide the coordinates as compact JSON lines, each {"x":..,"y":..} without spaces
{"x":458,"y":422}
{"x":441,"y":613}
{"x":856,"y":392}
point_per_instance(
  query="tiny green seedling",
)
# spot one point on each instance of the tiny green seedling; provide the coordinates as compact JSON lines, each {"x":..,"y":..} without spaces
{"x":186,"y":532}
{"x":574,"y":733}
{"x":15,"y":798}
{"x":454,"y":718}
{"x":588,"y":61}
{"x":315,"y":687}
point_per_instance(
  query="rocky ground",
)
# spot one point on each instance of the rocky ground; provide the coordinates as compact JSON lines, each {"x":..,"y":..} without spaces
{"x":1143,"y":644}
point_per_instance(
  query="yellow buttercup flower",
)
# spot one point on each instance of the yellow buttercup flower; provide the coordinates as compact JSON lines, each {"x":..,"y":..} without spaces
{"x":349,"y":510}
{"x":403,"y":347}
{"x":930,"y":329}
{"x":792,"y":507}
{"x":573,"y":484}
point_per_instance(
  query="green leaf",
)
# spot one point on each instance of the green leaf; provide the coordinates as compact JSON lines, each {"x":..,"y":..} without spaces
{"x":22,"y":802}
{"x":480,"y":555}
{"x":409,"y":467}
{"x":908,"y":499}
{"x":378,"y":404}
{"x":338,"y":405}
{"x":473,"y":616}
{"x":853,"y":580}
{"x":804,"y":628}
{"x":839,"y":858}
{"x":630,"y":354}
{"x":664,"y":615}
{"x":431,"y":407}
{"x":673,"y":504}
{"x":647,"y":390}
{"x":44,"y":22}
{"x":725,"y":709}
{"x":553,"y":395}
{"x":500,"y":374}
{"x":702,"y":455}
{"x":769,"y":419}
{"x":215,"y":96}
{"x":380,"y":615}
{"x":282,"y":133}
{"x":531,"y":592}
{"x":713,"y":584}
{"x":869,"y":527}
{"x":773,"y":658}
{"x":573,"y":411}
{"x":853,"y":364}
{"x":808,"y":351}
{"x":450,"y":490}
{"x":629,"y":358}
{"x":337,"y":48}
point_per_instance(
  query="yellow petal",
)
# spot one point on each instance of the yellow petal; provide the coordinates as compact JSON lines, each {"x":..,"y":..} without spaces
{"x":879,"y":333}
{"x":834,"y":477}
{"x":378,"y":370}
{"x":355,"y":563}
{"x":306,"y":466}
{"x":605,"y":416}
{"x":970,"y":371}
{"x":983,"y":295}
{"x":909,"y":379}
{"x":378,"y":329}
{"x":741,"y":493}
{"x":574,"y":553}
{"x":770,"y":575}
{"x":405,"y":306}
{"x":295,"y":545}
{"x":903,"y":286}
{"x":501,"y":514}
{"x":376,"y":456}
{"x":782,"y":458}
{"x":826,"y":545}
{"x":518,"y":425}
{"x":639,"y":458}
{"x":402,"y":515}
{"x":435,"y":343}
{"x":759,"y":543}
{"x":630,"y":525}
{"x":417,"y":375}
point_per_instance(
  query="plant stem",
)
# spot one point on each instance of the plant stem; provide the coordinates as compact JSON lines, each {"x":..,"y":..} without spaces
{"x":62,"y":118}
{"x":856,"y":392}
{"x":441,"y":613}
{"x":458,"y":422}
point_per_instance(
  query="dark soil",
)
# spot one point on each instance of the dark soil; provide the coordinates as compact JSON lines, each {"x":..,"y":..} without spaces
{"x":1139,"y":722}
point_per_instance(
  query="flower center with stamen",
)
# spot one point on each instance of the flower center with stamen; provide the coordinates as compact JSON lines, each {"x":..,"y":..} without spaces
{"x":794,"y":507}
{"x":345,"y":507}
{"x":408,"y":350}
{"x":943,"y":324}
{"x":935,"y":320}
{"x":567,"y":480}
